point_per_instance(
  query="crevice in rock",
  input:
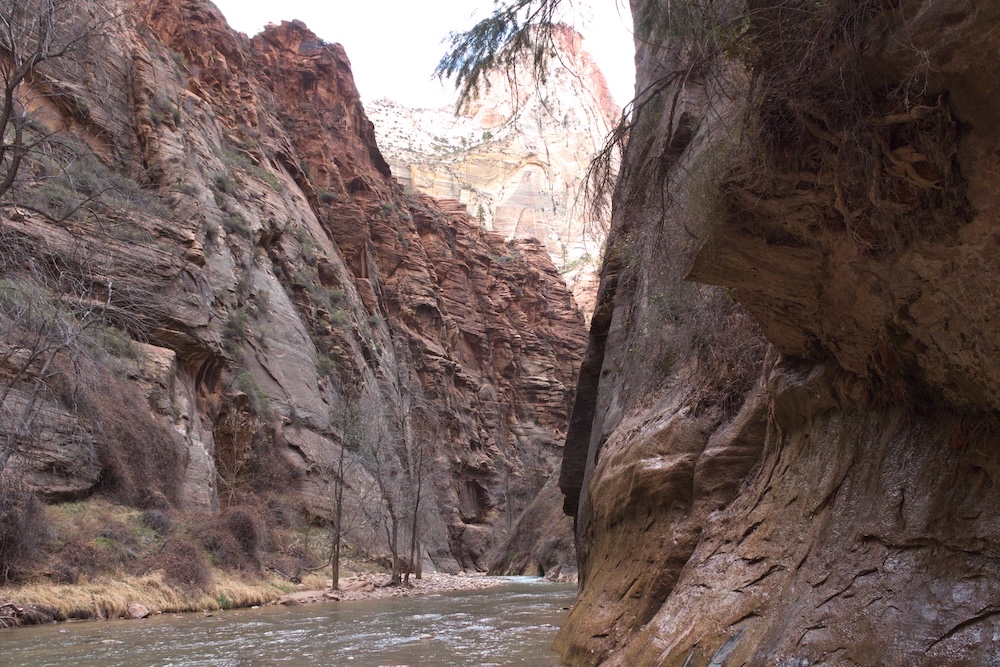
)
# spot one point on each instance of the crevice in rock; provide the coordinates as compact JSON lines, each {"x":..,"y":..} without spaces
{"x":581,"y":423}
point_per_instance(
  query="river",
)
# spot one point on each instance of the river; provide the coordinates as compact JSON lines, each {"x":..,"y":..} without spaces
{"x":513,"y":624}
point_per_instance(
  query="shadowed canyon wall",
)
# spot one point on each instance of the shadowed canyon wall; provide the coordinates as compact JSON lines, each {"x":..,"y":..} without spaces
{"x":783,"y":444}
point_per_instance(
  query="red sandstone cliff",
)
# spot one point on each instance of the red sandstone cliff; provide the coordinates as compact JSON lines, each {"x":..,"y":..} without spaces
{"x":288,"y":276}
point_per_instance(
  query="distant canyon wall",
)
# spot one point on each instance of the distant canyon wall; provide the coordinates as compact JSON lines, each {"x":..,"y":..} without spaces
{"x":517,"y":156}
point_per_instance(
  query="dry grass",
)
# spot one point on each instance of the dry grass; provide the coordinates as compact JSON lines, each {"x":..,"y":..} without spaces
{"x":233,"y":591}
{"x":109,"y":597}
{"x":102,"y":557}
{"x":315,"y":581}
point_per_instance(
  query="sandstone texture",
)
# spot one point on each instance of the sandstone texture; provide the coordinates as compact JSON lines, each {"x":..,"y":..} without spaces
{"x":516,"y":156}
{"x":780,"y":451}
{"x":273,"y":274}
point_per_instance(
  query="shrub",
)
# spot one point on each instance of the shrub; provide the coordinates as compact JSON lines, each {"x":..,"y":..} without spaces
{"x":266,"y":176}
{"x":309,"y":247}
{"x":325,"y":365}
{"x":233,"y":539}
{"x":244,"y":529}
{"x":235,"y":331}
{"x":128,"y":231}
{"x":235,"y":223}
{"x":326,"y":297}
{"x":139,"y":455}
{"x":340,"y":317}
{"x":114,"y":341}
{"x":23,"y":528}
{"x":220,"y":199}
{"x":56,"y":199}
{"x":305,"y":277}
{"x":157,"y":520}
{"x":78,"y":559}
{"x":162,"y":110}
{"x":225,"y":183}
{"x":234,"y":159}
{"x":178,"y":58}
{"x":222,"y":547}
{"x":74,"y":175}
{"x":257,"y":398}
{"x":183,"y":564}
{"x":244,"y":288}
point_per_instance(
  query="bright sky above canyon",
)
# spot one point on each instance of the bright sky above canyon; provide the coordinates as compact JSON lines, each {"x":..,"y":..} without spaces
{"x":395,"y":44}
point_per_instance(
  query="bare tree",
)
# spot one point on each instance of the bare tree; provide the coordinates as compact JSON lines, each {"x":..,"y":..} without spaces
{"x":378,"y":457}
{"x":399,"y":464}
{"x":352,"y":428}
{"x":33,"y":33}
{"x":418,"y":468}
{"x":413,"y":563}
{"x":505,"y":468}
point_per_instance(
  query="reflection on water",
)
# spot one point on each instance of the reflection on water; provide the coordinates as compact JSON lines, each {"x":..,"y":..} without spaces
{"x":510,"y":625}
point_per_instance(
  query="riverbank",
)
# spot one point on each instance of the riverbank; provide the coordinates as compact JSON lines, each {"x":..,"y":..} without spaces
{"x":138,"y":597}
{"x":129,"y":596}
{"x":371,"y":587}
{"x":107,"y":561}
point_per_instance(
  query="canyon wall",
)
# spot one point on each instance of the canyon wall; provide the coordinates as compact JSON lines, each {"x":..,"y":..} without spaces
{"x":783,"y":441}
{"x":280,"y":298}
{"x":517,"y":156}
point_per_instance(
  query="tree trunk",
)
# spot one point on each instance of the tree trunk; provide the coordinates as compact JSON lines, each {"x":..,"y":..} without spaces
{"x":416,"y":514}
{"x":394,"y":547}
{"x":338,"y":516}
{"x":418,"y":567}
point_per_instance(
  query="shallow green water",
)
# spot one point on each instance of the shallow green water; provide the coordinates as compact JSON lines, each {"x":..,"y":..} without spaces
{"x":510,"y":625}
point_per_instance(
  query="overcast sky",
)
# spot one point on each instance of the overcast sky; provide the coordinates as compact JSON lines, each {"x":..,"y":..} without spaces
{"x":395,"y":44}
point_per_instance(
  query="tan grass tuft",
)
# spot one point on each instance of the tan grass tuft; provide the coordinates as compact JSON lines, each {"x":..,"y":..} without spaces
{"x":107,"y":597}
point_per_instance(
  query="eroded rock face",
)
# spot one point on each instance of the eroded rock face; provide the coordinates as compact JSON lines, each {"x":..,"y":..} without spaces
{"x":288,"y":273}
{"x":861,"y":539}
{"x":63,"y":464}
{"x":516,"y":157}
{"x":822,"y":499}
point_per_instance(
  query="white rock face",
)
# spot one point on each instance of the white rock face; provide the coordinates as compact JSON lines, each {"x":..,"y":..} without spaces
{"x":517,"y":157}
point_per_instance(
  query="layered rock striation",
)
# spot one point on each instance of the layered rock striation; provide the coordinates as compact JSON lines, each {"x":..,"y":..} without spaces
{"x":798,"y":458}
{"x":291,"y":299}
